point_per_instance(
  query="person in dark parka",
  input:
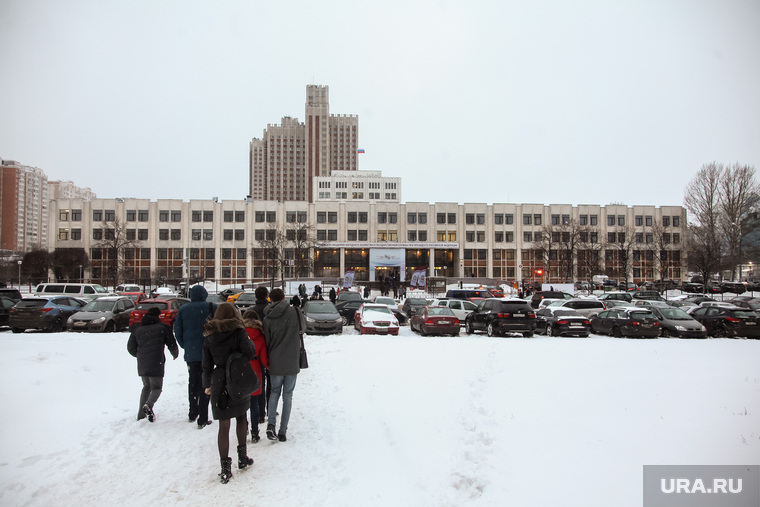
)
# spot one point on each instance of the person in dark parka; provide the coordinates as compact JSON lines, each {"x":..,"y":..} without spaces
{"x":188,"y":328}
{"x":262,"y":301}
{"x":146,"y":343}
{"x":225,"y":333}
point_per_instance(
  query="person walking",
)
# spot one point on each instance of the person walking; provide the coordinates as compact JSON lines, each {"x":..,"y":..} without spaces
{"x":255,"y":330}
{"x":282,"y":329}
{"x":225,"y":333}
{"x":146,"y":342}
{"x":262,"y":301}
{"x":333,"y":295}
{"x":188,"y":329}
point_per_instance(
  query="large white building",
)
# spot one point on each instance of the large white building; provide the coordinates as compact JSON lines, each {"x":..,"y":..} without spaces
{"x":229,"y":241}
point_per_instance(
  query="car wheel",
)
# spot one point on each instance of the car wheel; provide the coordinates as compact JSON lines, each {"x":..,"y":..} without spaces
{"x":110,"y":327}
{"x":549,"y":330}
{"x":665,"y":333}
{"x":720,"y":332}
{"x":57,"y":326}
{"x":17,"y":330}
{"x":529,"y":334}
{"x":344,"y":320}
{"x":616,"y":332}
{"x":468,"y":327}
{"x":490,"y":330}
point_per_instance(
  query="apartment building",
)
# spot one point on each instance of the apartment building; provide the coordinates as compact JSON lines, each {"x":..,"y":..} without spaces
{"x":285,"y":160}
{"x":23,"y":207}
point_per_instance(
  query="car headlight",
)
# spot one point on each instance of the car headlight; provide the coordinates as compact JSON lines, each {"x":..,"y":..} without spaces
{"x":704,"y":329}
{"x":309,"y":319}
{"x":70,"y":319}
{"x":99,"y":320}
{"x":338,"y":320}
{"x":680,"y":328}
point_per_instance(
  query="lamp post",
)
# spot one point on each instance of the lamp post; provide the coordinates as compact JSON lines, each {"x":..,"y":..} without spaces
{"x":81,"y":274}
{"x":19,"y":274}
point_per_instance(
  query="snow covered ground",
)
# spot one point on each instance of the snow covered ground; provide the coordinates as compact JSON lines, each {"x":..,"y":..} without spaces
{"x":381,"y":421}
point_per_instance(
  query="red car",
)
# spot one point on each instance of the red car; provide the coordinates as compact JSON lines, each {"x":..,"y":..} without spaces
{"x":375,"y":319}
{"x":168,"y":306}
{"x":438,"y":320}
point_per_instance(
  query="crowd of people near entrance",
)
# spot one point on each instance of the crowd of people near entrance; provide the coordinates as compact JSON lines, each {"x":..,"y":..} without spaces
{"x":268,"y":334}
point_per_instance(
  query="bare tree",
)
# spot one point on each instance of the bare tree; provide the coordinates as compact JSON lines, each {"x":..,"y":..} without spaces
{"x":115,"y":241}
{"x":702,"y":201}
{"x":622,"y":242}
{"x":738,"y":195}
{"x":69,"y":263}
{"x":589,"y":252}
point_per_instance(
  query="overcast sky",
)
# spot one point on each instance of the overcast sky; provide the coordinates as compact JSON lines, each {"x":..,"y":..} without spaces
{"x":468,"y":101}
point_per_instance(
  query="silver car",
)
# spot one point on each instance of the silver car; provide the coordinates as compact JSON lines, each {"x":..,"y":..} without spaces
{"x":322,"y":317}
{"x":110,"y":313}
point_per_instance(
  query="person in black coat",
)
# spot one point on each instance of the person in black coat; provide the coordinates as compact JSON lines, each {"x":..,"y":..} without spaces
{"x":262,"y":301}
{"x":146,"y":343}
{"x":225,"y":333}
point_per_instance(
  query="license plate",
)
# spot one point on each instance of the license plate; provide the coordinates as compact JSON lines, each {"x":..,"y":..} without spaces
{"x":80,"y":324}
{"x":575,"y":324}
{"x":519,"y":315}
{"x":646,"y":325}
{"x":750,"y":323}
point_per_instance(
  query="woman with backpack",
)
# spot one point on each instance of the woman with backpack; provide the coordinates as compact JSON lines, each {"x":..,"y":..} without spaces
{"x":224,"y":334}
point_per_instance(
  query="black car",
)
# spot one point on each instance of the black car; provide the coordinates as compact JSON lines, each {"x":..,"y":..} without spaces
{"x":49,"y":314}
{"x":11,"y":293}
{"x":677,"y":323}
{"x":624,"y":322}
{"x":561,"y":321}
{"x":347,"y":309}
{"x":722,"y":322}
{"x":245,"y":300}
{"x":535,"y":300}
{"x":5,"y":309}
{"x":412,"y":305}
{"x":501,"y":316}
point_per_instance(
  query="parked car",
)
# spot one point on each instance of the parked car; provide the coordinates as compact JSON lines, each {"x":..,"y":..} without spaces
{"x":735,"y":287}
{"x":76,"y":290}
{"x":168,"y":306}
{"x":348,"y":295}
{"x":747,"y":304}
{"x":436,"y":320}
{"x":46,"y":313}
{"x":5,"y":309}
{"x":678,"y":324}
{"x":586,"y":307}
{"x":121,"y":289}
{"x":650,"y":303}
{"x":371,"y":318}
{"x":246,"y":300}
{"x":217,"y":299}
{"x":460,"y":307}
{"x":501,"y":316}
{"x":535,"y":300}
{"x":627,"y":322}
{"x":468,"y":293}
{"x":619,"y":296}
{"x":103,"y":314}
{"x":651,"y":295}
{"x":722,"y":322}
{"x":321,"y":317}
{"x":10,"y":293}
{"x":136,"y":297}
{"x":412,"y":305}
{"x":561,"y":321}
{"x":164,"y":292}
{"x":692,"y":287}
{"x":347,"y":310}
{"x":393,"y":305}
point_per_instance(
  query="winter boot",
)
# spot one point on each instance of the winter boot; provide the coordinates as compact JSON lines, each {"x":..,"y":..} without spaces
{"x":243,"y":459}
{"x":270,"y":432}
{"x":226,"y":474}
{"x":255,"y":434}
{"x":149,"y":413}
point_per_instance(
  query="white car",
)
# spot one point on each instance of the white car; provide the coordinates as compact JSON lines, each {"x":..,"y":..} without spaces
{"x":460,"y":307}
{"x":372,"y":318}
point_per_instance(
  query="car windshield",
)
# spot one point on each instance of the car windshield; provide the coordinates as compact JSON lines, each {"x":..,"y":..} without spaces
{"x":674,"y":314}
{"x":378,"y":309}
{"x":321,"y":307}
{"x":99,"y":289}
{"x":567,"y":313}
{"x":641,"y":316}
{"x":247,"y":296}
{"x":558,"y":302}
{"x":31,"y":303}
{"x":440,"y":310}
{"x":417,"y":301}
{"x":385,"y":301}
{"x":743,"y":314}
{"x":98,"y":306}
{"x":157,"y":304}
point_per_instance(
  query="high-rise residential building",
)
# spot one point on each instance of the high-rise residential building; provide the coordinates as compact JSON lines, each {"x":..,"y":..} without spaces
{"x":67,"y":190}
{"x":23,"y":207}
{"x":285,"y":161}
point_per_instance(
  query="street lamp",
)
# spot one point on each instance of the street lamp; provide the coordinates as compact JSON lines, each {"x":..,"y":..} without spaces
{"x":19,"y":274}
{"x":81,"y":274}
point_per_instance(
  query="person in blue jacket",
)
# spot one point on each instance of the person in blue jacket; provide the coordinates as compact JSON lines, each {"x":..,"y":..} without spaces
{"x":188,"y":329}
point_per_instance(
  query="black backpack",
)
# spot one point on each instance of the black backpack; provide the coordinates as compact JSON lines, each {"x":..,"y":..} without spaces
{"x":242,"y":380}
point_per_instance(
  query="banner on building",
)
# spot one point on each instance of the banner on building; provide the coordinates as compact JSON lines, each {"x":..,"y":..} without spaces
{"x":418,"y":278}
{"x":348,"y":279}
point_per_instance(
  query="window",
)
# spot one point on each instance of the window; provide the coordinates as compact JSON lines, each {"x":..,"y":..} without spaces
{"x":666,"y":221}
{"x":227,"y":216}
{"x":392,"y":217}
{"x":352,"y":217}
{"x":176,"y":216}
{"x":131,"y":234}
{"x":351,"y":235}
{"x":451,"y":218}
{"x":621,"y":220}
{"x":163,"y":215}
{"x":332,"y":235}
{"x":509,"y":219}
{"x":610,"y":237}
{"x":76,"y":234}
{"x":97,"y":215}
{"x":321,"y":217}
{"x":175,"y":234}
{"x":498,"y":236}
{"x":422,"y":218}
{"x":142,"y":215}
{"x":528,"y":220}
{"x":208,"y":235}
{"x":509,"y":237}
{"x":301,"y":217}
{"x":239,"y":235}
{"x":469,"y":219}
{"x":593,"y":220}
{"x":163,"y":234}
{"x":258,"y":234}
{"x":527,"y":236}
{"x":63,"y":234}
{"x":110,"y":215}
{"x":676,"y":238}
{"x":611,"y":220}
{"x":422,"y":235}
{"x":321,"y":235}
{"x":227,"y":234}
{"x":555,"y":219}
{"x":639,"y":238}
{"x":480,"y":219}
{"x":565,"y":219}
{"x":411,"y":218}
{"x":481,"y":235}
{"x":583,"y":220}
{"x":332,"y":217}
{"x":382,"y":217}
{"x":195,"y":235}
{"x":363,"y":217}
{"x":648,"y":221}
{"x":440,"y":218}
{"x":208,"y":216}
{"x":290,"y":217}
{"x":469,"y":236}
{"x":676,"y":221}
{"x":259,"y":216}
{"x":498,"y":219}
{"x":649,"y":238}
{"x":196,"y":216}
{"x":271,"y":216}
{"x":240,"y":216}
{"x":131,"y":215}
{"x":536,"y":219}
{"x":638,"y":220}
{"x":362,"y":235}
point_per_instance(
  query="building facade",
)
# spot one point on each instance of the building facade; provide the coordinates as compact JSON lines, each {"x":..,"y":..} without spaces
{"x":249,"y":241}
{"x":285,"y":161}
{"x":23,"y":208}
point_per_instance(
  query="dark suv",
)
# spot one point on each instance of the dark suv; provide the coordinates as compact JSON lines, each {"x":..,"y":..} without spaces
{"x":500,"y":316}
{"x":547,"y":294}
